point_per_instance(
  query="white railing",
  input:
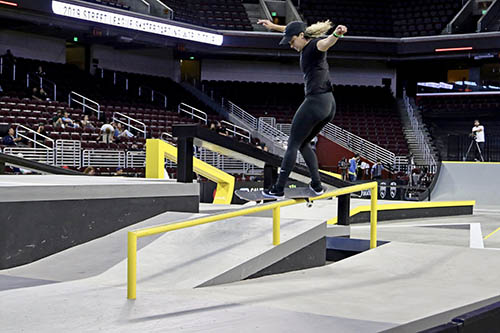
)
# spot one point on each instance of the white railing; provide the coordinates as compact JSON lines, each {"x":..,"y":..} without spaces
{"x":356,"y":144}
{"x":236,"y":131}
{"x":154,"y":95}
{"x":136,"y":159}
{"x":241,"y":114}
{"x":68,"y":152}
{"x":40,"y":155}
{"x":41,"y":82}
{"x":417,"y":128}
{"x":275,"y":136}
{"x":400,"y":164}
{"x":165,"y":136}
{"x":192,"y":112}
{"x":285,"y":128}
{"x":225,"y":163}
{"x":270,"y":120}
{"x":117,"y":117}
{"x":272,"y":133}
{"x":85,"y":103}
{"x":104,"y":158}
{"x":22,"y":130}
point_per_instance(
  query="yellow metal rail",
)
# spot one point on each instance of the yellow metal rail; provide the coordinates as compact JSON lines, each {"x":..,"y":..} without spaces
{"x":275,"y":206}
{"x":156,"y":152}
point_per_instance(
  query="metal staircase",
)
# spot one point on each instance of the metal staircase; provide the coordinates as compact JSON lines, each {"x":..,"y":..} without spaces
{"x":416,"y":133}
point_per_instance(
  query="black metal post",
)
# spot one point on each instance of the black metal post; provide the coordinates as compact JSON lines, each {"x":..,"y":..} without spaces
{"x":185,"y":159}
{"x":343,"y":209}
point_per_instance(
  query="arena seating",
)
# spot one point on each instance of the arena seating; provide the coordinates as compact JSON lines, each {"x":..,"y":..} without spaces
{"x":216,"y":14}
{"x":447,"y":116}
{"x":384,"y":19}
{"x":369,"y":112}
{"x":17,"y":106}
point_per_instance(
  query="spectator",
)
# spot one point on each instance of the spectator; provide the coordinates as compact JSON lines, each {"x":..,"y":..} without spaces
{"x":220,"y":129}
{"x":9,"y":139}
{"x":57,"y":119}
{"x":43,"y":95}
{"x":377,"y":169}
{"x":40,"y":72}
{"x":353,"y":166}
{"x":35,"y":94}
{"x":365,"y":170}
{"x":122,"y":132}
{"x":359,"y":171}
{"x":90,"y":171}
{"x":106,"y":134}
{"x":41,"y":130}
{"x":9,"y":57}
{"x":119,"y":172}
{"x":67,"y":121}
{"x":343,"y":165}
{"x":85,"y":123}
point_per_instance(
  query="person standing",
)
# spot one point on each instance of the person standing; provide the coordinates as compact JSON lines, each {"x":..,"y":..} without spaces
{"x":318,"y":108}
{"x":353,"y":167}
{"x":478,"y":132}
{"x":342,"y":166}
{"x":377,"y":169}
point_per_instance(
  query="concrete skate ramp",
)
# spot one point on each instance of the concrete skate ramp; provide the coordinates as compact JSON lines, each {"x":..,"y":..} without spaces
{"x":469,"y":181}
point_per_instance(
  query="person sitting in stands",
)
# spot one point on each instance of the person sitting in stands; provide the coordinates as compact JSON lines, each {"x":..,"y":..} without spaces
{"x":122,"y":132}
{"x":9,"y":139}
{"x":220,"y":129}
{"x":86,"y":123}
{"x":57,"y":119}
{"x":43,"y":95}
{"x":41,"y":130}
{"x":67,"y":121}
{"x":35,"y":94}
{"x":212,"y":126}
{"x":119,"y":172}
{"x":90,"y":171}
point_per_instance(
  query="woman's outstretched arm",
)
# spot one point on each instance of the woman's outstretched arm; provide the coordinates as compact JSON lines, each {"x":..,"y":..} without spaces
{"x":324,"y":44}
{"x":271,"y":26}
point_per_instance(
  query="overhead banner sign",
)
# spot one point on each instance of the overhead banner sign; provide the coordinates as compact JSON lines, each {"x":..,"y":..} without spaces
{"x":134,"y":23}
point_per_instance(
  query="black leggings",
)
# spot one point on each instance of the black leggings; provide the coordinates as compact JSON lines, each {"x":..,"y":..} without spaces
{"x":313,"y":114}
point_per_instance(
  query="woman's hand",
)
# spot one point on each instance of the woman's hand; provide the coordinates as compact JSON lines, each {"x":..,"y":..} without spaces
{"x":340,"y":30}
{"x":266,"y":23}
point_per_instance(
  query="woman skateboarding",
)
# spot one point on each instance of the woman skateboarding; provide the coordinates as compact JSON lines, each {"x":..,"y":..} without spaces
{"x":318,"y":107}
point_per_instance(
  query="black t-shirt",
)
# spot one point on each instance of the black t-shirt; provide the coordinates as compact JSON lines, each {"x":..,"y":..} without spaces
{"x":315,"y":68}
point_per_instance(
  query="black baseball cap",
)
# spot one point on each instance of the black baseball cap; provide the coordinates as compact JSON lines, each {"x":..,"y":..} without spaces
{"x":292,"y":29}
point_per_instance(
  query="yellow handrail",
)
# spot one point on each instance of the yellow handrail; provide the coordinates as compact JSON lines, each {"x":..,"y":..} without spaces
{"x":275,"y":206}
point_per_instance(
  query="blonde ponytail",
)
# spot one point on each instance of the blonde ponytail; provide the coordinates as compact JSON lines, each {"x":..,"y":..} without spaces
{"x":318,"y":29}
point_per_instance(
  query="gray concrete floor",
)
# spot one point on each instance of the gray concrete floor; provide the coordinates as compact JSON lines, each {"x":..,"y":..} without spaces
{"x":454,"y":231}
{"x":427,"y":269}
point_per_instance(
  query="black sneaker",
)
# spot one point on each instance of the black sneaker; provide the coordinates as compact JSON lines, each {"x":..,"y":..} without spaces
{"x":274,"y":192}
{"x":317,"y":189}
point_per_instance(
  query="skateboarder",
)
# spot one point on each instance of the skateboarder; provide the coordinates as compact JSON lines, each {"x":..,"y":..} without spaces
{"x":318,"y":108}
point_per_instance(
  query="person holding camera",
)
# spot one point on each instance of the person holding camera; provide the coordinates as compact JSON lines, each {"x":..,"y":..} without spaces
{"x":478,"y":136}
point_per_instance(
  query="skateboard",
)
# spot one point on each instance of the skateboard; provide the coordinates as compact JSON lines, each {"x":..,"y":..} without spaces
{"x":290,"y":193}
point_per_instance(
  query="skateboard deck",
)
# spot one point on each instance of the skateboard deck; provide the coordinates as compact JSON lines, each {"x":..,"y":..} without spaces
{"x":290,"y":193}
